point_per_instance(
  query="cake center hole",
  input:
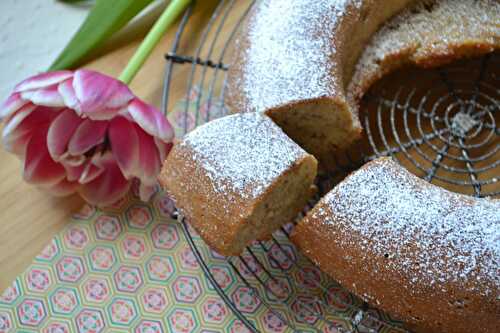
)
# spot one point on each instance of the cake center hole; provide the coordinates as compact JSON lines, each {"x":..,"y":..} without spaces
{"x":442,"y":125}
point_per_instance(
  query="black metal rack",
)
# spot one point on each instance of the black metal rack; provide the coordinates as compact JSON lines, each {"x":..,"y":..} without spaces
{"x":443,"y":129}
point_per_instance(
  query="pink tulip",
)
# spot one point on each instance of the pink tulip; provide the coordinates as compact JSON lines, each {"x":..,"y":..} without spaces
{"x":85,"y":132}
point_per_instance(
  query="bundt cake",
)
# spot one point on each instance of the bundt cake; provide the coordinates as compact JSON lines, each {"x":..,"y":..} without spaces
{"x":296,"y":58}
{"x":237,"y":179}
{"x":424,"y":254}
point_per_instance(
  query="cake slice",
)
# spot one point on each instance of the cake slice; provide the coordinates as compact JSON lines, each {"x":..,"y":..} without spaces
{"x":237,"y":179}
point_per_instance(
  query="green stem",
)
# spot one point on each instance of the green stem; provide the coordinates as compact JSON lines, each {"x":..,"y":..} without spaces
{"x":173,"y":10}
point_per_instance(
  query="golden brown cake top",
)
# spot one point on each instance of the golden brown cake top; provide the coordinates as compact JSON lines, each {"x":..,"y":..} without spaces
{"x":387,"y":211}
{"x":242,"y":153}
{"x":289,"y":49}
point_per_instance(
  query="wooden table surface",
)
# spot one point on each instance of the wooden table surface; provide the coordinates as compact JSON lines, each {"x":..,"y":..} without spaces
{"x":29,"y":218}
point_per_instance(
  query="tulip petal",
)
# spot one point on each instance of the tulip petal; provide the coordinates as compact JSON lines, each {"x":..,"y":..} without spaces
{"x":91,"y":172}
{"x":89,"y":134}
{"x":124,"y":145}
{"x":11,"y":105}
{"x":17,"y":118}
{"x":17,"y":144}
{"x":68,"y":95}
{"x":105,"y":114}
{"x":60,"y":132}
{"x":39,"y":167}
{"x":149,"y":159}
{"x":73,"y":173}
{"x":97,"y":93}
{"x":71,"y":160}
{"x":106,"y":189}
{"x":21,"y":125}
{"x":43,"y":80}
{"x":163,"y":148}
{"x":63,"y":188}
{"x":151,"y":120}
{"x":45,"y":96}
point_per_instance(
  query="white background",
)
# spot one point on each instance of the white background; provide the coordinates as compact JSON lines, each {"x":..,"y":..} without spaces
{"x":32,"y":34}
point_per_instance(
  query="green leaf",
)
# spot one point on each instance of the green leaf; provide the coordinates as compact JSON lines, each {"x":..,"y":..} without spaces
{"x":105,"y":18}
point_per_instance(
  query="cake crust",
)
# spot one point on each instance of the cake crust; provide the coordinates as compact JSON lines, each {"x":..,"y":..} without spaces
{"x":423,"y":254}
{"x":428,"y":34}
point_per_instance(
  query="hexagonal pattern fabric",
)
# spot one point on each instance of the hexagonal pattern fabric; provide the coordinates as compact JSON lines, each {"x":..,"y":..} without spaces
{"x":124,"y":269}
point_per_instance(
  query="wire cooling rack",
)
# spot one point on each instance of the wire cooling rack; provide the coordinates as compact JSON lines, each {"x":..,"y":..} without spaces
{"x":441,"y":125}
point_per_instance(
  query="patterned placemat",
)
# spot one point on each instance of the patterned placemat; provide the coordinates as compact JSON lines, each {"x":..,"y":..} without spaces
{"x":124,"y":269}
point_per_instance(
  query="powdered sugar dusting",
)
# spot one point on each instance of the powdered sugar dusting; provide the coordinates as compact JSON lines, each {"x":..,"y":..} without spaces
{"x":289,"y":56}
{"x":433,"y":236}
{"x":242,"y":153}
